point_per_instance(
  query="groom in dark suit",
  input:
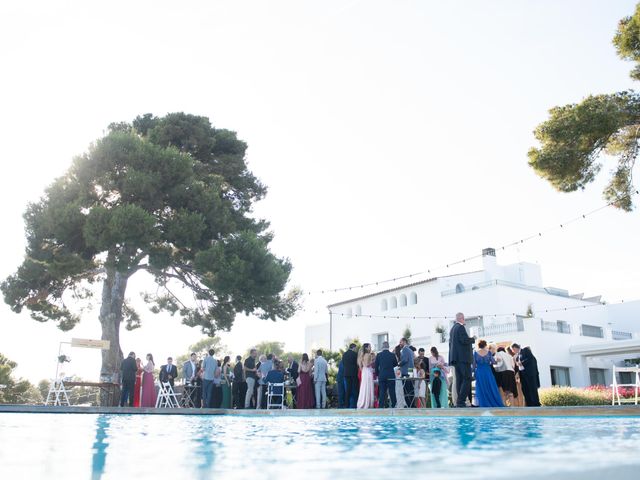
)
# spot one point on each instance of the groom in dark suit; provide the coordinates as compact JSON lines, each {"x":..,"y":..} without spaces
{"x":168,"y":372}
{"x":350,"y":362}
{"x":461,"y":357}
{"x":128,"y":368}
{"x":385,"y":362}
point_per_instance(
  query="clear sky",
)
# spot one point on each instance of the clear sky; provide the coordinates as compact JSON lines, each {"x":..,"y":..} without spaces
{"x":392,"y":136}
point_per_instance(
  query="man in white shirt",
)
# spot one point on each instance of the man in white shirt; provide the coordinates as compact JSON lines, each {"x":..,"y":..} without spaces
{"x":168,"y":372}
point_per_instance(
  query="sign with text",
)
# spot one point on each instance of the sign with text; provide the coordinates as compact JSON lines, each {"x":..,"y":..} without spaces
{"x":89,"y":343}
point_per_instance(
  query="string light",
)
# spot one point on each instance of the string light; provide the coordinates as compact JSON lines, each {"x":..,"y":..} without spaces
{"x":473,"y":257}
{"x":444,"y":317}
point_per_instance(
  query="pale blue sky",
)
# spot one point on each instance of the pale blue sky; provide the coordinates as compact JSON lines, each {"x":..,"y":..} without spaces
{"x":392,"y":134}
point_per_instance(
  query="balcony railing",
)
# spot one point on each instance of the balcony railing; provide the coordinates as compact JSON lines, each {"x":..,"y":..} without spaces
{"x":591,"y":331}
{"x":558,"y":327}
{"x":504,"y":283}
{"x":618,"y":335}
{"x":500,"y":328}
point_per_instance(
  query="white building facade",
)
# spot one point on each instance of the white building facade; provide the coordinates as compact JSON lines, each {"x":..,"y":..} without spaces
{"x":576,"y":340}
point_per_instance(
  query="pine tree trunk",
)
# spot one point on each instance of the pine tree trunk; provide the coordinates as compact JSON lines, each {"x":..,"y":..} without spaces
{"x":113,"y":291}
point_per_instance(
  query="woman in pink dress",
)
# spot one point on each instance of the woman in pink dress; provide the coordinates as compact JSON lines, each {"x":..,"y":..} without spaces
{"x":366,"y":397}
{"x":305,"y":386}
{"x":148,"y":384}
{"x":137,"y":389}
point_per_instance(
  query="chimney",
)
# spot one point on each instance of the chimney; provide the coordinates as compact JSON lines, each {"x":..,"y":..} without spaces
{"x":489,"y":264}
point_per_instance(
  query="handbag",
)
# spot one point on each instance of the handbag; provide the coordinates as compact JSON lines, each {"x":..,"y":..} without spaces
{"x":298,"y":381}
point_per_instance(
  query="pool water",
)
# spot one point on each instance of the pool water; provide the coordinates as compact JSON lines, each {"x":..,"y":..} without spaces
{"x":263,"y":447}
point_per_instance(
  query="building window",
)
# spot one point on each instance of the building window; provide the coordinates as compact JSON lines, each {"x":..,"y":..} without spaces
{"x":378,"y":339}
{"x":413,"y":298}
{"x":591,"y":331}
{"x":597,"y":376}
{"x":349,"y":313}
{"x":383,"y":305}
{"x":358,"y":310}
{"x":459,"y":288}
{"x":560,"y":376}
{"x":393,"y":303}
{"x":626,"y":378}
{"x":403,"y":300}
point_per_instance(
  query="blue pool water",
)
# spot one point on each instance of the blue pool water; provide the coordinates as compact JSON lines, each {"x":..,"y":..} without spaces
{"x":260,"y":447}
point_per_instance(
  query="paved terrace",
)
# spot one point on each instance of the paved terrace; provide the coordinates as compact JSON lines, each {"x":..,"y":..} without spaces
{"x":596,"y":411}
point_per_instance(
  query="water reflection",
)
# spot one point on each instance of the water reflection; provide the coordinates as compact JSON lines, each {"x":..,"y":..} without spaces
{"x":99,"y":457}
{"x":322,"y":447}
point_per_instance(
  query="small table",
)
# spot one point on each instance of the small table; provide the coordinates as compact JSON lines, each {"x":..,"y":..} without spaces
{"x":188,"y":393}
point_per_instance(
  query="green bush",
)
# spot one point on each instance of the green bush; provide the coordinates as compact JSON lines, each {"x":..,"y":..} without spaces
{"x":571,"y":397}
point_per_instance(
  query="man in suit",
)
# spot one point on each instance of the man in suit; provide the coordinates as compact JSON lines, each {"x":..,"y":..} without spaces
{"x":189,"y":369}
{"x":320,"y":369}
{"x":292,"y":370}
{"x":128,"y":368}
{"x":168,"y":372}
{"x":461,"y":357}
{"x":350,"y":362}
{"x":385,"y":363}
{"x":239,"y":384}
{"x":406,"y":362}
{"x":189,"y":372}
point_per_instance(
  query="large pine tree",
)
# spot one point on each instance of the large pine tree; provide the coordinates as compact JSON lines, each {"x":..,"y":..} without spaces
{"x":168,"y":196}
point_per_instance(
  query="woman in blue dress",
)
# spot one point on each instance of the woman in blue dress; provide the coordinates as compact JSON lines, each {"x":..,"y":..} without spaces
{"x":487,"y":393}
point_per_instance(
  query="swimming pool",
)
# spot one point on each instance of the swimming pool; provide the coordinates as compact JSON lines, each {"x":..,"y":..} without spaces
{"x":262,"y":447}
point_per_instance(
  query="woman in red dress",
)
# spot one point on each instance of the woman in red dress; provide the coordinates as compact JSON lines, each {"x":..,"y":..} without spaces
{"x":305,"y":387}
{"x":137,"y":390}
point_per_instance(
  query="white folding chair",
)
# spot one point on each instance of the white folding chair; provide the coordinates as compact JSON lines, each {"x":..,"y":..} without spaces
{"x":615,"y":393}
{"x":275,"y":395}
{"x":167,"y":397}
{"x":57,"y":394}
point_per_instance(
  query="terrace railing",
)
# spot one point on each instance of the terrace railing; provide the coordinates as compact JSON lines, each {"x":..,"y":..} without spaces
{"x":618,"y":335}
{"x":500,"y":328}
{"x":558,"y":327}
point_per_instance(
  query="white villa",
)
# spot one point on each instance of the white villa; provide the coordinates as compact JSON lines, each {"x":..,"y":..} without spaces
{"x":502,"y":303}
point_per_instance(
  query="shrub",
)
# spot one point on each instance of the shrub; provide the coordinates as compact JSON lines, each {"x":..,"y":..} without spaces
{"x":569,"y":397}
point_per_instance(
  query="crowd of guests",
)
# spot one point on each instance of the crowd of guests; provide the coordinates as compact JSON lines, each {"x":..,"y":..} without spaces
{"x":402,"y":378}
{"x":503,"y":376}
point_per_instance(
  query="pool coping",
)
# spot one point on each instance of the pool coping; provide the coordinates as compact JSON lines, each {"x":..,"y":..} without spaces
{"x":584,"y":411}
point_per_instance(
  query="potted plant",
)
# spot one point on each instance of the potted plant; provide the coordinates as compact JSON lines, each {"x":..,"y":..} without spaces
{"x":443,"y":333}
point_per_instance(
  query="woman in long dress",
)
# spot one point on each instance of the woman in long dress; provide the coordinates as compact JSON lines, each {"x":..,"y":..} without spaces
{"x":137,"y":389}
{"x":366,"y":395}
{"x":226,"y":383}
{"x":305,"y":385}
{"x":148,"y":384}
{"x":487,"y":394}
{"x":437,"y":361}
